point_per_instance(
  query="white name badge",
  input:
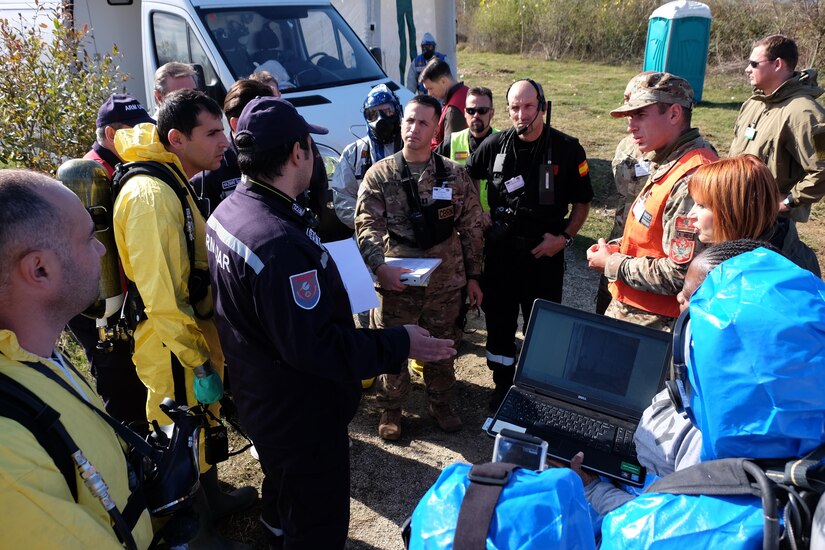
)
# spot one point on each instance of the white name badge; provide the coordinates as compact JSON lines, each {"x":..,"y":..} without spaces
{"x":750,"y":132}
{"x":514,"y":184}
{"x":639,"y":208}
{"x":642,"y":168}
{"x":442,"y":193}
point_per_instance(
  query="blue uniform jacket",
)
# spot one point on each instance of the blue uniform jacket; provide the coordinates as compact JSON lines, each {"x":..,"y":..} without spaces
{"x":295,"y":356}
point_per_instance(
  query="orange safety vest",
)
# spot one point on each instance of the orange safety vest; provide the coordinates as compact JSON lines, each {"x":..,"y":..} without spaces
{"x":639,"y":240}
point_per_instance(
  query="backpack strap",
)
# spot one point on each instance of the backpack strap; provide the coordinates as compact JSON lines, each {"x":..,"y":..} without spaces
{"x":171,"y":176}
{"x":24,"y":407}
{"x":724,"y":477}
{"x":487,"y":481}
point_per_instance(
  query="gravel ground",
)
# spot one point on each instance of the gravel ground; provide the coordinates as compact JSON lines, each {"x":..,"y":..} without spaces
{"x":388,"y":479}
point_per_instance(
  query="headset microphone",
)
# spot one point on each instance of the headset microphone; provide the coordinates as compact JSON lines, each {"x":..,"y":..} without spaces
{"x":521,"y":130}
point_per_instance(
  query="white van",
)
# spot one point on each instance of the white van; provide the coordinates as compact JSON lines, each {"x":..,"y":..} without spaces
{"x":322,"y":66}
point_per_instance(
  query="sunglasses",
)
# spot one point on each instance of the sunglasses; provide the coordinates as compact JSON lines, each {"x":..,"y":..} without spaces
{"x":480,"y":110}
{"x":755,"y":64}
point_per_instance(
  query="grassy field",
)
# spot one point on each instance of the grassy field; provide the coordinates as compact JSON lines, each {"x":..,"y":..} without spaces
{"x":582,"y":95}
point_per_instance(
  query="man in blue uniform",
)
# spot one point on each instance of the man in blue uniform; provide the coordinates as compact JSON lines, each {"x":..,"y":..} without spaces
{"x":284,"y":320}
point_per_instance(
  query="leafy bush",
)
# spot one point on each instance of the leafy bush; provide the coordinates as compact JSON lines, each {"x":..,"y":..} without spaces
{"x":50,"y":89}
{"x":616,"y":30}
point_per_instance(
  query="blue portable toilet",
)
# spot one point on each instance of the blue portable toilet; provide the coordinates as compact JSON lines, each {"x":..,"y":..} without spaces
{"x":678,"y":35}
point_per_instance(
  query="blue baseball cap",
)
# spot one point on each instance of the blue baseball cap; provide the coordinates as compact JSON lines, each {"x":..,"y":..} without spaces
{"x":122,"y":109}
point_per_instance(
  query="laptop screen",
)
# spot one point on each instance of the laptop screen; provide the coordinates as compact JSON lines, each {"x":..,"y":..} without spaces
{"x":610,"y":365}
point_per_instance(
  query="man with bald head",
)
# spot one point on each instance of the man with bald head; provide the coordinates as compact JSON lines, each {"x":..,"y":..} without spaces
{"x":49,"y":272}
{"x":539,"y":194}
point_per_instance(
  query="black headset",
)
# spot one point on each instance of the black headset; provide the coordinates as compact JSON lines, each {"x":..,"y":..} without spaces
{"x":679,"y":389}
{"x":539,"y":93}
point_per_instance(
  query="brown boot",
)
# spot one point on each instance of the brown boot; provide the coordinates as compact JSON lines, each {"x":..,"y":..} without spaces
{"x":447,"y":419}
{"x":389,"y":426}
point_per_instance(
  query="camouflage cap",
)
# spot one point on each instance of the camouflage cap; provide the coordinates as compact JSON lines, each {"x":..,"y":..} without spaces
{"x":652,"y":87}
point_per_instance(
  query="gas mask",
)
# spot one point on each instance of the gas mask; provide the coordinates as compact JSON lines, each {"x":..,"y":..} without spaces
{"x":385,"y":128}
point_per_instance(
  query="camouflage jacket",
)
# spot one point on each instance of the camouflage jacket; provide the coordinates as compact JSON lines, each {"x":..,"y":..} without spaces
{"x":383,"y":227}
{"x":662,"y":275}
{"x":782,"y":129}
{"x":629,"y":175}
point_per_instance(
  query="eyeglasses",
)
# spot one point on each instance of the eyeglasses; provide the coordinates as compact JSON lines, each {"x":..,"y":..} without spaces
{"x":372,"y":113}
{"x":755,"y":64}
{"x":480,"y":110}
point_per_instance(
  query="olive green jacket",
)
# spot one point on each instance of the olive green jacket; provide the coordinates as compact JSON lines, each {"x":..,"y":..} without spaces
{"x":784,"y":126}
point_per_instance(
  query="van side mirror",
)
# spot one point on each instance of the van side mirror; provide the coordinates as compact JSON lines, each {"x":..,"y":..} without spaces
{"x":216,"y":91}
{"x":200,"y":77}
{"x":376,"y":53}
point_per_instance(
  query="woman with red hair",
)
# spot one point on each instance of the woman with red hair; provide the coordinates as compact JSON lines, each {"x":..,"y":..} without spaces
{"x":738,"y":198}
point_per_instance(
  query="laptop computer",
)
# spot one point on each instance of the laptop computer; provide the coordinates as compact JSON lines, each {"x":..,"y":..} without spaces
{"x":582,"y":382}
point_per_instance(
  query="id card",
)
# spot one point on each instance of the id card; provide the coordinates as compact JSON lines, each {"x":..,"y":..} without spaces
{"x":442,"y":193}
{"x":514,"y":184}
{"x":750,"y":133}
{"x":642,"y":168}
{"x":498,"y":164}
{"x":547,"y":186}
{"x":639,"y":207}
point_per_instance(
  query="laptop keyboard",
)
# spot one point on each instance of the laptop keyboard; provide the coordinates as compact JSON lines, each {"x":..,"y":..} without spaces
{"x":591,"y":431}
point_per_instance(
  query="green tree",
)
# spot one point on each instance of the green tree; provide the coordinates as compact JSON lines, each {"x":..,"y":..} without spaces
{"x":50,"y":88}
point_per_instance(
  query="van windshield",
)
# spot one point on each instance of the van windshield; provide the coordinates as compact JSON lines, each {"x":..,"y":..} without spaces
{"x":304,"y":48}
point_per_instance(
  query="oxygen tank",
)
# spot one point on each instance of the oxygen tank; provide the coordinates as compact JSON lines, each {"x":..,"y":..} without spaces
{"x":90,"y":182}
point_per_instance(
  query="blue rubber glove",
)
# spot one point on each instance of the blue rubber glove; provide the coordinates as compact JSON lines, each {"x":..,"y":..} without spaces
{"x":208,"y":385}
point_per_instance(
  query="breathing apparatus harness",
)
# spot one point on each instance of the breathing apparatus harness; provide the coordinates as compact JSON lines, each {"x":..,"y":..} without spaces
{"x":163,"y":469}
{"x":134,"y":309}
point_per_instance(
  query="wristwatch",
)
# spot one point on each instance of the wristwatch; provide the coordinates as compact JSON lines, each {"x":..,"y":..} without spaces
{"x":568,"y":240}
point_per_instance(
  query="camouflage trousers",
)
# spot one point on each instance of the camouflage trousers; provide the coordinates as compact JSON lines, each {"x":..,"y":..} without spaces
{"x":619,"y":310}
{"x":435,"y":311}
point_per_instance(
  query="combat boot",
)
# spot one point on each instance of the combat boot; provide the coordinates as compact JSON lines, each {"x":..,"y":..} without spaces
{"x":389,"y":426}
{"x":503,"y":379}
{"x":446,"y":417}
{"x":225,"y":504}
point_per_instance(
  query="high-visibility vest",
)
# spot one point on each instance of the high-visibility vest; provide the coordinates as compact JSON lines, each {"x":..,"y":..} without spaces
{"x":460,"y":152}
{"x":641,"y":240}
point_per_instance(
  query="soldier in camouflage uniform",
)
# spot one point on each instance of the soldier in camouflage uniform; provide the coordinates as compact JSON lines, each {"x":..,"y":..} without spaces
{"x":630,"y":172}
{"x":412,"y":186}
{"x":647,"y":269}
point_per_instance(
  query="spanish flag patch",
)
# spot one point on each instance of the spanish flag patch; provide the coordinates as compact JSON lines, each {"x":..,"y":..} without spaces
{"x":584,"y":169}
{"x":461,"y":155}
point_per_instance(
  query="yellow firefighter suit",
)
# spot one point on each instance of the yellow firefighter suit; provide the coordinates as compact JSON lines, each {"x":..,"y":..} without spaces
{"x":151,"y":242}
{"x":36,"y":506}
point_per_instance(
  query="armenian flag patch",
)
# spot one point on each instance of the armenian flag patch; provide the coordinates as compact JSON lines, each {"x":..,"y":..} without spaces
{"x":584,"y":169}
